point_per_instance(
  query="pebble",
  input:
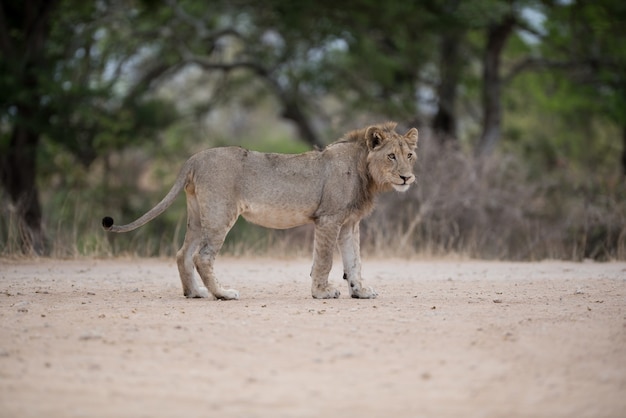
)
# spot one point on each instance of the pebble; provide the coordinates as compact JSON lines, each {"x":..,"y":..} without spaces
{"x":90,"y":335}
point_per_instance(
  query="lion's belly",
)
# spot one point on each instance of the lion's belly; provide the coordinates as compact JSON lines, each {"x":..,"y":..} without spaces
{"x":278,"y":218}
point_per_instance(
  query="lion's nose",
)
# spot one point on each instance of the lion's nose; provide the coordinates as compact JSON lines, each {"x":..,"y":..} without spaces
{"x":405,"y":178}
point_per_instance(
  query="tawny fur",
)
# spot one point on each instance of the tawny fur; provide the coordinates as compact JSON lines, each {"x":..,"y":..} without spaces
{"x":333,"y":188}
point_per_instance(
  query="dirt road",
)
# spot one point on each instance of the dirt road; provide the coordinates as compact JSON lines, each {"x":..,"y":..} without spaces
{"x":104,"y":338}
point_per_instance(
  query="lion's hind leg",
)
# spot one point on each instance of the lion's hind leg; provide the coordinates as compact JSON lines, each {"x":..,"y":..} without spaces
{"x":210,"y":243}
{"x":215,"y":213}
{"x":204,"y":259}
{"x":192,"y":288}
{"x":184,"y":259}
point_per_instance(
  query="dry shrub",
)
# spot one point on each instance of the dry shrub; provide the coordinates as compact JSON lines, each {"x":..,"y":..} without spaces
{"x":496,"y":208}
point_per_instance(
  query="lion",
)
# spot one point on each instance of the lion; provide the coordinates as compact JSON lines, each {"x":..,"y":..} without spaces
{"x":333,"y":188}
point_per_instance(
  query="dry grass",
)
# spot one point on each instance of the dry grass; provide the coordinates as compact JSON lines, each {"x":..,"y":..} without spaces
{"x":494,"y":209}
{"x":491,"y":209}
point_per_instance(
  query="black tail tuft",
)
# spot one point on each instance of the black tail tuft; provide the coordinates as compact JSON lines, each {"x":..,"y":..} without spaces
{"x":107,"y":222}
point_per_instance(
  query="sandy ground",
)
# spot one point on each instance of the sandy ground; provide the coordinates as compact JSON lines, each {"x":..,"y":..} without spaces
{"x":116,"y":338}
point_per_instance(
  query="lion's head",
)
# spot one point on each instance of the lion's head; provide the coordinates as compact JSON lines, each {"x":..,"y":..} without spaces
{"x":391,"y":156}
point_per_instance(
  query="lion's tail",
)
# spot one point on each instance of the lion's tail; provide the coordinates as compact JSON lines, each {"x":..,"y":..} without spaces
{"x":181,"y":180}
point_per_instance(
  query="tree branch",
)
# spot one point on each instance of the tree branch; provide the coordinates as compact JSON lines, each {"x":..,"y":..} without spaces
{"x":199,"y":25}
{"x":292,"y":109}
{"x":535,"y":64}
{"x":38,"y":31}
{"x":208,"y":64}
{"x":142,"y":85}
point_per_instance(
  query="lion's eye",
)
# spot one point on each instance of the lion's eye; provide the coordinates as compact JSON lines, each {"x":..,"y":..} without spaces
{"x":392,"y":157}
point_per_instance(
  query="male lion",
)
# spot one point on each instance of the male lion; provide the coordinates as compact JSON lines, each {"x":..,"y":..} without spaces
{"x":333,"y":188}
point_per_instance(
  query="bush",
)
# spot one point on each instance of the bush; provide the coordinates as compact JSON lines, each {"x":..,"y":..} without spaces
{"x":497,"y":209}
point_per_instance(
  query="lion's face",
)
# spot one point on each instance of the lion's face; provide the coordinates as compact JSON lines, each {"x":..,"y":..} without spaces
{"x":391,"y":157}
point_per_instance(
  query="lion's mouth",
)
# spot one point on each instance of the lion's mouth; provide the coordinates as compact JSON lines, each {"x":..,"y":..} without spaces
{"x":401,"y":187}
{"x":406,"y":182}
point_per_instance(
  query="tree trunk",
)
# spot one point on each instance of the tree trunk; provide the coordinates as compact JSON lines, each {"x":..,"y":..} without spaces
{"x":293,"y":112}
{"x":18,"y":168}
{"x":497,"y":36}
{"x":24,"y":31}
{"x":624,"y":150}
{"x":444,"y":122}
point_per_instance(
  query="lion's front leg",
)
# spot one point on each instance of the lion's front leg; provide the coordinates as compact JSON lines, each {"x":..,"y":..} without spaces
{"x":349,"y":246}
{"x":325,"y":240}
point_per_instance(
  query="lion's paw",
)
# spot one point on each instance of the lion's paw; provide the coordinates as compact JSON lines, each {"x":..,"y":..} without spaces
{"x":327,"y":292}
{"x":228,"y":294}
{"x":364,"y":293}
{"x":201,"y":292}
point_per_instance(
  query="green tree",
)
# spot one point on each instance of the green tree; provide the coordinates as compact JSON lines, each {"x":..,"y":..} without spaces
{"x":24,"y":33}
{"x":66,"y":75}
{"x":585,"y":41}
{"x":579,"y":55}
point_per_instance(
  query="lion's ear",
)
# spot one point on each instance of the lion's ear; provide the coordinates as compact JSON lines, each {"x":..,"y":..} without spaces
{"x":411,"y":137}
{"x":374,"y":137}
